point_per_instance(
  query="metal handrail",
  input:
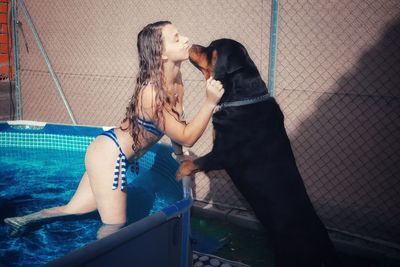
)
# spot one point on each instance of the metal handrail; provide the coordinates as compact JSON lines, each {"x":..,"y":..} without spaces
{"x":47,"y":60}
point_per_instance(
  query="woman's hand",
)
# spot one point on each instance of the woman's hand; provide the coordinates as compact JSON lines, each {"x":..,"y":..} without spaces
{"x":214,"y":91}
{"x":188,"y":134}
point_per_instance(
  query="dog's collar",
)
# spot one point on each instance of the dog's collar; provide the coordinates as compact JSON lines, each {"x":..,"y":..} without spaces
{"x":242,"y":102}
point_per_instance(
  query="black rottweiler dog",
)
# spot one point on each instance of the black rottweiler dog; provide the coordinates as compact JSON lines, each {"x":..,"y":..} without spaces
{"x":251,"y":144}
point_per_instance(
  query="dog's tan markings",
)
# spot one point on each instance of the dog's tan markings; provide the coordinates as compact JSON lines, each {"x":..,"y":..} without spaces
{"x":214,"y":58}
{"x":201,"y":63}
{"x":200,"y":60}
{"x":206,"y":73}
{"x":186,"y":168}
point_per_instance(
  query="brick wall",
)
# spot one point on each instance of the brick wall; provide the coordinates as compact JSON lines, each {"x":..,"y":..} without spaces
{"x":5,"y":42}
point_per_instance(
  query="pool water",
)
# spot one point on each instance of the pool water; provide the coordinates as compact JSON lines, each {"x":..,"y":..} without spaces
{"x":36,"y":178}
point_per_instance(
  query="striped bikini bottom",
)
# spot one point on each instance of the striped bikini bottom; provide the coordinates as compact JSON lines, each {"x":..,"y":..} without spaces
{"x":121,"y":164}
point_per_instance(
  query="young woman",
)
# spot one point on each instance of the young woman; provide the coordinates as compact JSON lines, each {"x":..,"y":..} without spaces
{"x":155,"y":109}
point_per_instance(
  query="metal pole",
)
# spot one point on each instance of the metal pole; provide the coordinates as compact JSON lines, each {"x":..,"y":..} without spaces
{"x":18,"y":100}
{"x":273,"y":47}
{"x":187,"y":194}
{"x":46,"y":58}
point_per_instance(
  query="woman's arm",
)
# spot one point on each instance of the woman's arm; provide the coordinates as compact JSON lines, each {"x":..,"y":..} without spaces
{"x":188,"y":134}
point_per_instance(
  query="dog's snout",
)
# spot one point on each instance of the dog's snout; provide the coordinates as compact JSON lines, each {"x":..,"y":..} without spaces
{"x":198,"y":57}
{"x":195,"y":53}
{"x":195,"y":50}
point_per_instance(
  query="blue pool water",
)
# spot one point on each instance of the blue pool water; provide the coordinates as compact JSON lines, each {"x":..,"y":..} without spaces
{"x":43,"y":175}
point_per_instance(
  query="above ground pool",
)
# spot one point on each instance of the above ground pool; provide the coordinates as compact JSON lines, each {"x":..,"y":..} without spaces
{"x":41,"y":166}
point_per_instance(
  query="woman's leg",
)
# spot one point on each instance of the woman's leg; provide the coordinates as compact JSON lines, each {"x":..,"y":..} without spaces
{"x":100,"y":161}
{"x":94,"y":191}
{"x":108,"y":229}
{"x":82,"y":202}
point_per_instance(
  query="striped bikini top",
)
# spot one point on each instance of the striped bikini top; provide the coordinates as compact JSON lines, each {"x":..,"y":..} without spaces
{"x":150,"y":127}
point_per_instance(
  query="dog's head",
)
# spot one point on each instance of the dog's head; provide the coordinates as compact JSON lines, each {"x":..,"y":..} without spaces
{"x":228,"y":61}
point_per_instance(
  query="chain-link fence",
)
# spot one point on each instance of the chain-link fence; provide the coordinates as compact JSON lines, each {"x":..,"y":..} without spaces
{"x":337,"y":82}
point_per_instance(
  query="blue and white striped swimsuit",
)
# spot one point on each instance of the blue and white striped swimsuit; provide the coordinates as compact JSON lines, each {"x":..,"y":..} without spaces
{"x":120,"y":166}
{"x":150,"y":127}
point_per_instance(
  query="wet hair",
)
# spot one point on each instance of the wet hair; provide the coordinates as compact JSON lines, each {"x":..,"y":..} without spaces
{"x":150,"y":47}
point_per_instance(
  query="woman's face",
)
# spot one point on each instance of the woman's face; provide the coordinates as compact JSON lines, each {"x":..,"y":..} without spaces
{"x":176,"y":46}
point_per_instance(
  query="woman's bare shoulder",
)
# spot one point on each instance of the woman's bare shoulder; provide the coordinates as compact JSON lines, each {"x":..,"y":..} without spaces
{"x":147,"y":96}
{"x":147,"y":102}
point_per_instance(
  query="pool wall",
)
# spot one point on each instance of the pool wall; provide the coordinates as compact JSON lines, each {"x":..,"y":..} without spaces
{"x":161,"y":239}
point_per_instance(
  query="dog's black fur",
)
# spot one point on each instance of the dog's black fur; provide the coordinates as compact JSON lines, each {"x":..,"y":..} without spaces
{"x":251,"y":144}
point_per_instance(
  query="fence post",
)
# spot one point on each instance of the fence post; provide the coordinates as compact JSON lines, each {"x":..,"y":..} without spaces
{"x":15,"y":47}
{"x":273,"y":47}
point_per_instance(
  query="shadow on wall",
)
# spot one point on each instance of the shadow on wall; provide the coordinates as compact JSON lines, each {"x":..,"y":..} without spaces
{"x":348,"y":151}
{"x":352,"y":147}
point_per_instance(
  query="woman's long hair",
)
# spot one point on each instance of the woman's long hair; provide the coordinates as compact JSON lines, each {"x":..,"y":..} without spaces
{"x":150,"y":47}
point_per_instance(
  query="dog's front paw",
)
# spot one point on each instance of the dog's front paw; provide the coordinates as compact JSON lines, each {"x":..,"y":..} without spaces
{"x":186,"y":168}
